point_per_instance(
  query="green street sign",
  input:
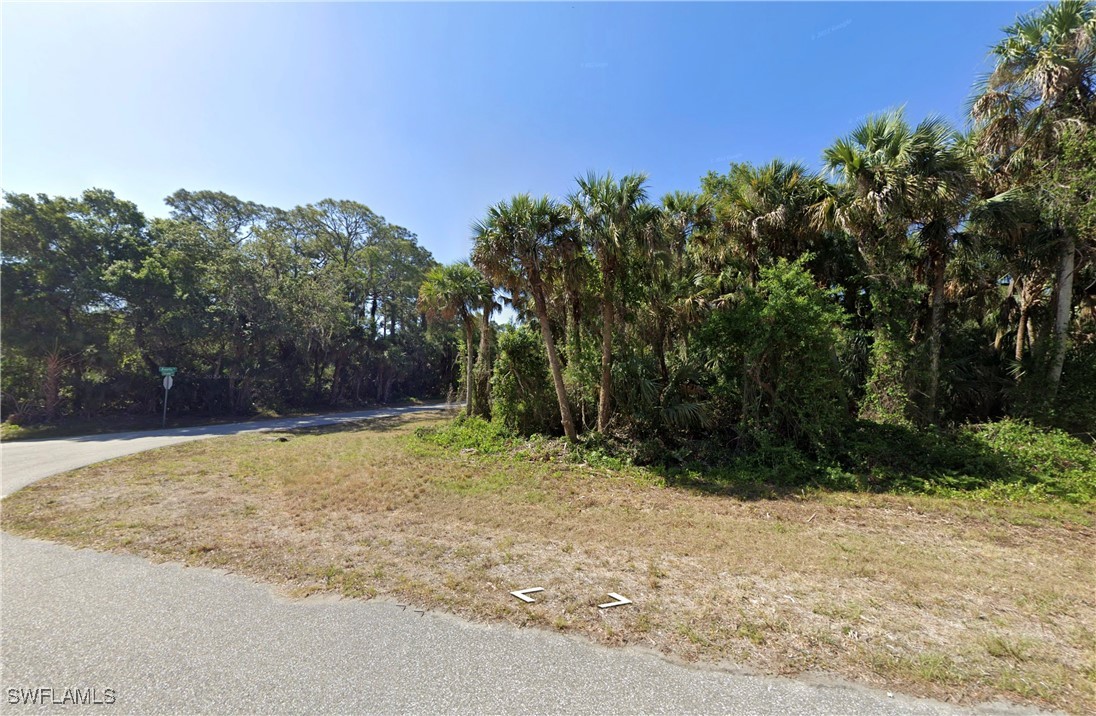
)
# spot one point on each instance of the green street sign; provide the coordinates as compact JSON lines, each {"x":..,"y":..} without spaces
{"x":167,"y":371}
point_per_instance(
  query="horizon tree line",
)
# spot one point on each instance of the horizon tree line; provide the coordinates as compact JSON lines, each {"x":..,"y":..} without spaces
{"x":258,"y":307}
{"x":928,"y":277}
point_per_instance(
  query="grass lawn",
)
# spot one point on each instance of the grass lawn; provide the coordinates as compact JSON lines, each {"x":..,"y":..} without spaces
{"x":953,"y":598}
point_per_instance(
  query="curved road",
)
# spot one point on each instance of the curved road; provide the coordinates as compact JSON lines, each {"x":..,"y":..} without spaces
{"x":168,"y":639}
{"x":26,"y":461}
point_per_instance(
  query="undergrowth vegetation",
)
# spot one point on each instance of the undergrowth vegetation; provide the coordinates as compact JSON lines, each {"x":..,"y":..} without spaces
{"x":1010,"y":460}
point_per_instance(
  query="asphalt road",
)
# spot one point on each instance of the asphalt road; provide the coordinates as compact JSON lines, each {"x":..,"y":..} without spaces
{"x":168,"y":639}
{"x":25,"y":461}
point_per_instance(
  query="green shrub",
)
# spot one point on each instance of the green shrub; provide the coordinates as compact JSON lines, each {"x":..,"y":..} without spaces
{"x":773,"y":353}
{"x":1009,"y":459}
{"x":522,"y":396}
{"x":468,"y":433}
{"x":1075,"y":406}
{"x":1043,"y":462}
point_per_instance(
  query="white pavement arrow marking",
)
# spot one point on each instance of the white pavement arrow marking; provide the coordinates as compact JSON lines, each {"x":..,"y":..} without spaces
{"x":520,"y":594}
{"x":620,"y":601}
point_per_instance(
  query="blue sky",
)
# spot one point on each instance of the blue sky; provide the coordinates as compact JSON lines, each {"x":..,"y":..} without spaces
{"x":428,"y":113}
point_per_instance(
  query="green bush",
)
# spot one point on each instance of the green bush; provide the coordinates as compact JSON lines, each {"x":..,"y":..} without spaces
{"x":468,"y":433}
{"x":1008,"y":459}
{"x":1075,"y":406}
{"x":582,"y":376}
{"x":773,"y":353}
{"x":522,"y":396}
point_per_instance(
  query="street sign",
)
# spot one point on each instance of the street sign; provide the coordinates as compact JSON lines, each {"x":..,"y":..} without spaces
{"x":167,"y":372}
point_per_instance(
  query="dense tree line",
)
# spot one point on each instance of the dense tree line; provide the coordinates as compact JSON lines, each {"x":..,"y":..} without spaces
{"x":258,"y":307}
{"x":929,"y":277}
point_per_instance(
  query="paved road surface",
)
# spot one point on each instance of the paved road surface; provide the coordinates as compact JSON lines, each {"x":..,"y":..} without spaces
{"x":169,"y":639}
{"x":25,"y":461}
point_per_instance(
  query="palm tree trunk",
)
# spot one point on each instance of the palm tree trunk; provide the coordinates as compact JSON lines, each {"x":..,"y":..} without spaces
{"x":51,"y":386}
{"x":1062,"y":314}
{"x":939,"y":270}
{"x":485,"y":332}
{"x":576,"y":326}
{"x":604,"y":395}
{"x":1022,"y":328}
{"x":661,"y":350}
{"x":568,"y":328}
{"x":553,"y":361}
{"x":468,"y":333}
{"x":482,"y":372}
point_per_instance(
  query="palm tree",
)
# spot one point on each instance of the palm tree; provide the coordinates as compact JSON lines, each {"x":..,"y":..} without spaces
{"x":869,"y":204}
{"x":672,"y":271}
{"x":764,"y":212}
{"x":1009,"y":233}
{"x":516,"y":246}
{"x":1044,"y":81}
{"x":940,"y":188}
{"x":455,"y":291}
{"x":899,"y":179}
{"x":613,"y":218}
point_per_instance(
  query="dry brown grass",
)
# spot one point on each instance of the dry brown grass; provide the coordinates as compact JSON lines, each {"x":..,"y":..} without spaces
{"x":951,"y":599}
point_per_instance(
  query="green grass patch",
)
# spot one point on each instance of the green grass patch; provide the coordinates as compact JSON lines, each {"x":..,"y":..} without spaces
{"x":469,"y":435}
{"x":1011,"y":460}
{"x":1008,"y":460}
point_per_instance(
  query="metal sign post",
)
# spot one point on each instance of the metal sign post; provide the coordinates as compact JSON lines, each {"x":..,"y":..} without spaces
{"x":168,"y":381}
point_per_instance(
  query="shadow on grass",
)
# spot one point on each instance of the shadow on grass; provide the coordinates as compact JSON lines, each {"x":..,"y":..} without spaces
{"x":715,"y":481}
{"x":1010,"y":459}
{"x":372,"y":425}
{"x":892,"y":457}
{"x":872,"y":458}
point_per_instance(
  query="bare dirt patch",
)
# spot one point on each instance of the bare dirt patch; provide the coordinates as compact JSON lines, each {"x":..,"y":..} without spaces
{"x":953,"y":599}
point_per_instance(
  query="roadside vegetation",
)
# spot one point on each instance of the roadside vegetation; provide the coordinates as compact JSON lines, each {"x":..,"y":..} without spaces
{"x":74,"y":426}
{"x":839,"y":421}
{"x":1007,"y":460}
{"x":107,"y":424}
{"x":928,"y":277}
{"x":967,"y":595}
{"x":261,"y":309}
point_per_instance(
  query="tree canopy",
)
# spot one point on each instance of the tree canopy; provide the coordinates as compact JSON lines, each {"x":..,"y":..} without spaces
{"x":929,"y":276}
{"x":258,"y":307}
